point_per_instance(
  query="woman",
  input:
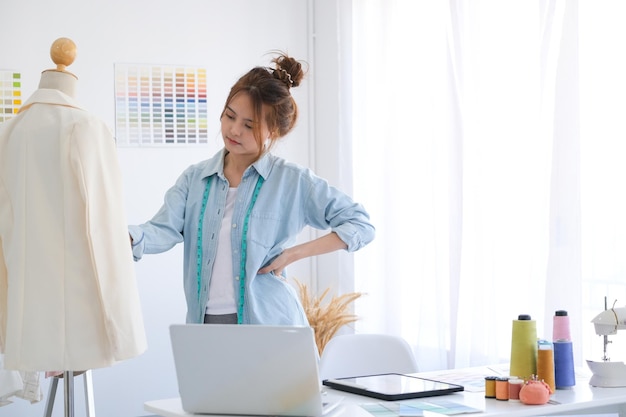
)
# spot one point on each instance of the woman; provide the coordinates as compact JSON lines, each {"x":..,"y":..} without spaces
{"x":240,"y":212}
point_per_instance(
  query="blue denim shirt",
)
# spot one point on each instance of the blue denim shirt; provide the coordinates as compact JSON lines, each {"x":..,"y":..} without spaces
{"x":290,"y":198}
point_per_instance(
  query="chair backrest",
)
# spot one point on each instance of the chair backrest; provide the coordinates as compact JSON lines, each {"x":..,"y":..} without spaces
{"x":351,"y":355}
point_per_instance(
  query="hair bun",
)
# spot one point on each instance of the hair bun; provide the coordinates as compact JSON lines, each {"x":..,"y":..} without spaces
{"x":288,"y":70}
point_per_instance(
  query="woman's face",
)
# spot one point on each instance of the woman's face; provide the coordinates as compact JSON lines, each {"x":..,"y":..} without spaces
{"x":238,"y":127}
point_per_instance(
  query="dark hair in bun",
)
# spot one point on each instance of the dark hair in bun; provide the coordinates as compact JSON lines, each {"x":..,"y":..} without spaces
{"x":270,"y":88}
{"x":288,"y":70}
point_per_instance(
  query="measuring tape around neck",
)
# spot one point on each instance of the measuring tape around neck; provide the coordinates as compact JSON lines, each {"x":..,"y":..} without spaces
{"x":244,"y":245}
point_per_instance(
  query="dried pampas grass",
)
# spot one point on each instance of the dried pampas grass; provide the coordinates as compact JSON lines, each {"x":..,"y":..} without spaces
{"x":327,"y":319}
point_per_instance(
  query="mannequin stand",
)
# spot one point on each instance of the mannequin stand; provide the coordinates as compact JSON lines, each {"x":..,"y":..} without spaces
{"x":68,"y":386}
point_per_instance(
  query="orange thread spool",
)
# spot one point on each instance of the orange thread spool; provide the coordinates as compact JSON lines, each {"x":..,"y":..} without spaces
{"x":502,"y":389}
{"x":545,"y":364}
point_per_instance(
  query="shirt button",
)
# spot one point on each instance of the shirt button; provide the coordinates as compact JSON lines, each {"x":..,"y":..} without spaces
{"x":237,"y":278}
{"x":234,"y":225}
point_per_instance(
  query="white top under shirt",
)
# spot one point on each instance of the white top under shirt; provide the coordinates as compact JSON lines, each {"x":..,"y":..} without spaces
{"x":221,"y":291}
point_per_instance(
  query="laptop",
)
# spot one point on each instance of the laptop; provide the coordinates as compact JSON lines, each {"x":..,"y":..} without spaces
{"x":248,"y":370}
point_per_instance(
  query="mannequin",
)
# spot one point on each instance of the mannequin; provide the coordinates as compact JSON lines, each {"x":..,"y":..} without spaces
{"x":68,"y":295}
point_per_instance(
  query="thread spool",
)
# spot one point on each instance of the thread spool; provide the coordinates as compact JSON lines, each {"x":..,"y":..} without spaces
{"x":515,"y":386}
{"x":545,"y":363}
{"x":524,"y":347}
{"x":560,"y":326}
{"x":564,"y":376}
{"x":490,"y":386}
{"x":502,"y":389}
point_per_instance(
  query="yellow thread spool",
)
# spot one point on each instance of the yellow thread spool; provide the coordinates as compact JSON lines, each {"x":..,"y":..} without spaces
{"x":524,"y":347}
{"x":490,"y":386}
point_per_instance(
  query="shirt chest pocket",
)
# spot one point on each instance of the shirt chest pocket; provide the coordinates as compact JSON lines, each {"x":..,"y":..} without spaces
{"x":264,"y":229}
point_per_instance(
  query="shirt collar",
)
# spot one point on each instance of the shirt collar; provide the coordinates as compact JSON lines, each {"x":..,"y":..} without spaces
{"x":216,"y":165}
{"x":50,"y":96}
{"x":264,"y":164}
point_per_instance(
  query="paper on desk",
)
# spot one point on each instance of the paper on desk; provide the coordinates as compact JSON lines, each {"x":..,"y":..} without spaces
{"x":590,"y":415}
{"x":472,"y":379}
{"x":418,"y":408}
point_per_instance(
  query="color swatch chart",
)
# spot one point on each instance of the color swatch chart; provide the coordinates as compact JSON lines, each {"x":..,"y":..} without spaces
{"x":10,"y":94}
{"x":160,"y":105}
{"x":418,"y":408}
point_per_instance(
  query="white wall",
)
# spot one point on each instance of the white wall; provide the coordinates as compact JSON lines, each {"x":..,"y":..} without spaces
{"x":226,"y":37}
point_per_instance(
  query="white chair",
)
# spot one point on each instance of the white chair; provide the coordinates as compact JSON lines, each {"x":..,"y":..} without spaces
{"x":351,"y":355}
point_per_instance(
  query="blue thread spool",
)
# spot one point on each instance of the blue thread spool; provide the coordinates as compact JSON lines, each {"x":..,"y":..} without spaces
{"x":564,"y":376}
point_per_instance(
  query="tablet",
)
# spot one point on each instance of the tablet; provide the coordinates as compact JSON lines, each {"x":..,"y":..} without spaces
{"x":391,"y":387}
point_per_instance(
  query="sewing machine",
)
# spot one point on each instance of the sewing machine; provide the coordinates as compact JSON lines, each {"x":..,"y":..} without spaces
{"x":605,"y":372}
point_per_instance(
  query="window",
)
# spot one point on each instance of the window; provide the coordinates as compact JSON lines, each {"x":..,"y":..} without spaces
{"x":487,"y":146}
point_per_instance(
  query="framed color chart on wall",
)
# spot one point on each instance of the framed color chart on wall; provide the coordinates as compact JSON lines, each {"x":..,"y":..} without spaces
{"x":10,"y":94}
{"x":158,"y":105}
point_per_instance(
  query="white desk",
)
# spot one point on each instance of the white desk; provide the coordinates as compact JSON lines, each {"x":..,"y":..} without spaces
{"x":582,"y":399}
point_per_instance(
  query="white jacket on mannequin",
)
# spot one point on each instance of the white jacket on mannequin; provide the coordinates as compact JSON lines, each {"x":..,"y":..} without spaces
{"x":68,"y":293}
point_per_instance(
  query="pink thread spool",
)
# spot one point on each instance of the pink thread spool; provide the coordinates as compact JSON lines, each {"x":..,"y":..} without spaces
{"x":515,"y":386}
{"x":560,"y":326}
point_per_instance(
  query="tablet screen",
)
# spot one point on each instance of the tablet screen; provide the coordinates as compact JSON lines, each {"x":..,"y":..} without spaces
{"x":393,"y":386}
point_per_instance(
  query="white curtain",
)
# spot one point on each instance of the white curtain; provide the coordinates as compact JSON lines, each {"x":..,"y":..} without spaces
{"x":469,"y":126}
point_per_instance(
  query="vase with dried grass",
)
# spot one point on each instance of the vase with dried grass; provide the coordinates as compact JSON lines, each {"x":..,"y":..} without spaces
{"x":327,"y":318}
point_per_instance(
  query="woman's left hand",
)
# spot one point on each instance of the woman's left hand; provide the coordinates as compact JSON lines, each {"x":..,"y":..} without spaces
{"x":278,"y":264}
{"x":325,"y":244}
